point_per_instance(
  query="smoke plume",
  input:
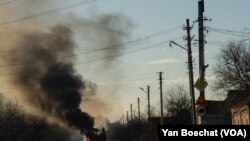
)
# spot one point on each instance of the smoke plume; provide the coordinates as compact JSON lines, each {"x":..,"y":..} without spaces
{"x":48,"y":82}
{"x":39,"y":58}
{"x":104,"y":32}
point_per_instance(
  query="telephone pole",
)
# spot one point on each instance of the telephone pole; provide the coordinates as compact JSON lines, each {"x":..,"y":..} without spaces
{"x":190,"y":68}
{"x":201,"y":43}
{"x":127,"y":116}
{"x":122,"y":118}
{"x":161,"y":100}
{"x":131,"y":112}
{"x":149,"y":112}
{"x":148,"y":93}
{"x":139,"y":114}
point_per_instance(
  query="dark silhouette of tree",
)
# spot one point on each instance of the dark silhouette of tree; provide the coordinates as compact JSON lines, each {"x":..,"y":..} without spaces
{"x":233,"y":67}
{"x":133,"y":130}
{"x":178,"y":105}
{"x":15,"y":125}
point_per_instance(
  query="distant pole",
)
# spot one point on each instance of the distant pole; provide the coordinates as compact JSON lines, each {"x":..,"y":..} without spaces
{"x":161,"y":99}
{"x":127,"y":116}
{"x":122,"y":118}
{"x":134,"y":114}
{"x":190,"y":68}
{"x":131,"y":112}
{"x":149,"y":112}
{"x":139,"y":114}
{"x":148,"y":92}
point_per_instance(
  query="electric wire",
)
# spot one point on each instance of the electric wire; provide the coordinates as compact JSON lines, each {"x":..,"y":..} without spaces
{"x":47,"y":12}
{"x":228,"y":32}
{"x":7,"y":2}
{"x":110,"y":46}
{"x":102,"y":49}
{"x":99,"y":59}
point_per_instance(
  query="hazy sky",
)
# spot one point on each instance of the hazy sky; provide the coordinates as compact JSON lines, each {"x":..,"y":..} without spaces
{"x":155,"y":23}
{"x":140,"y":68}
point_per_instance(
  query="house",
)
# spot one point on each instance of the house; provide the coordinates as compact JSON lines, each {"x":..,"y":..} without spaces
{"x":235,"y":109}
{"x":216,"y":112}
{"x":239,"y":101}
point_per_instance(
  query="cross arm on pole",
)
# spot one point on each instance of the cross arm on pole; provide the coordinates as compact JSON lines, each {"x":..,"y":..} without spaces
{"x":172,"y":42}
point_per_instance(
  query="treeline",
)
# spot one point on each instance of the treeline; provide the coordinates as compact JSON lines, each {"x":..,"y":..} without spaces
{"x":133,"y":130}
{"x":177,"y":111}
{"x":15,"y":125}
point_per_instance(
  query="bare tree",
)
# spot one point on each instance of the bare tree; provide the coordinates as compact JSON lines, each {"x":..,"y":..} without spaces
{"x":233,"y":67}
{"x":178,"y":105}
{"x":153,"y":111}
{"x":15,"y":125}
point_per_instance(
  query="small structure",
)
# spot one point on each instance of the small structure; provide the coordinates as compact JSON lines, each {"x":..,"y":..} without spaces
{"x":239,"y":101}
{"x":217,"y":112}
{"x":235,"y":109}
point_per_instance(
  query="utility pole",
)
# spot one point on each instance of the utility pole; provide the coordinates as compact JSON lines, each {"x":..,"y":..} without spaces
{"x":161,"y":100}
{"x":127,"y":116}
{"x":201,"y":44}
{"x":122,"y":118}
{"x":149,"y":112}
{"x":190,"y":68}
{"x":148,"y":93}
{"x":139,"y":114}
{"x":134,"y":114}
{"x":131,"y":112}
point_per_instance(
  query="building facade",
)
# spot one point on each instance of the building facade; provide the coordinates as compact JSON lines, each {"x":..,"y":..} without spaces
{"x":239,"y":101}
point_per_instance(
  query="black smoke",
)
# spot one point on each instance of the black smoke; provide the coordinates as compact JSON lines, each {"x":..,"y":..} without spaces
{"x":64,"y":89}
{"x":104,"y":31}
{"x":45,"y":74}
{"x":40,"y":64}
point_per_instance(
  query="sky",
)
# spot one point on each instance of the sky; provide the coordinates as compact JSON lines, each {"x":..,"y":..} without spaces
{"x":153,"y":25}
{"x":140,"y":68}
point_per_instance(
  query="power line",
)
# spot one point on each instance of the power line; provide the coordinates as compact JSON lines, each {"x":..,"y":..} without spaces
{"x":8,"y":2}
{"x":94,"y":60}
{"x":83,"y":53}
{"x":244,"y":39}
{"x":95,"y":48}
{"x":48,"y":12}
{"x":106,"y":47}
{"x":216,"y":43}
{"x":121,"y":77}
{"x":224,"y":30}
{"x":133,"y":51}
{"x":110,"y":46}
{"x":132,"y":41}
{"x":126,"y":83}
{"x":162,"y":32}
{"x":228,"y":32}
